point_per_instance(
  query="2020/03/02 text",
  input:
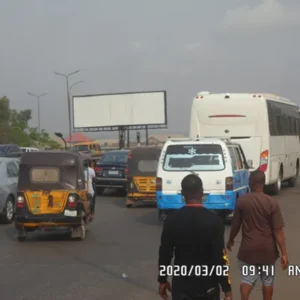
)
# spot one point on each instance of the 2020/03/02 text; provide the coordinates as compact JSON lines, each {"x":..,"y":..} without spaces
{"x":194,"y":270}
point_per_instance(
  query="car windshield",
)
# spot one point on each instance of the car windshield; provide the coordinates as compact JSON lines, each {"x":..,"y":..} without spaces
{"x":114,"y":158}
{"x":191,"y":157}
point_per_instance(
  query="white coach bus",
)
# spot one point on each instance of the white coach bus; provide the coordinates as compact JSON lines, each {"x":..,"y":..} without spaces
{"x":265,"y":125}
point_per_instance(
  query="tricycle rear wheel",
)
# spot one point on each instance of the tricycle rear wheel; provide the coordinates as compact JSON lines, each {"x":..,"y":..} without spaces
{"x":79,"y":232}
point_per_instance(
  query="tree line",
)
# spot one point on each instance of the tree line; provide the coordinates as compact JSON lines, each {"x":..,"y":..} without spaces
{"x":15,"y":129}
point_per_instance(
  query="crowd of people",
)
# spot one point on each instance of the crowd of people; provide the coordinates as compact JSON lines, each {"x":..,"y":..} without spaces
{"x":195,"y":237}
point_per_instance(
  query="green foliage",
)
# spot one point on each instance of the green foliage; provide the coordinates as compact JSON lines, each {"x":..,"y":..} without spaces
{"x":14,"y":129}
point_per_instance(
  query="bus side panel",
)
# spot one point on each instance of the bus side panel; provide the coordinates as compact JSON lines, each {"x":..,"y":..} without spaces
{"x":277,"y":157}
{"x":292,"y":151}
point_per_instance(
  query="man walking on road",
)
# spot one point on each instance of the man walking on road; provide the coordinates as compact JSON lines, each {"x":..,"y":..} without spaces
{"x":262,"y":228}
{"x":196,"y":236}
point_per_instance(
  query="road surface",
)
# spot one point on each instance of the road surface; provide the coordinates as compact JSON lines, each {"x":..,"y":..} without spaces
{"x":120,"y":241}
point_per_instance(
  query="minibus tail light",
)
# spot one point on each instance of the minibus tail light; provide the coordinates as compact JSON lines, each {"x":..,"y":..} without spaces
{"x":158,"y":184}
{"x":229,"y":183}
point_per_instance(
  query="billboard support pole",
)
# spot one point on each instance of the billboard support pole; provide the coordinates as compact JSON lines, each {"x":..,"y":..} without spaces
{"x":147,"y":142}
{"x":121,"y":137}
{"x":128,"y":138}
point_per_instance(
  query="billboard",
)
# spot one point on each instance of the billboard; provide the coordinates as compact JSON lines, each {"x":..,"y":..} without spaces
{"x":109,"y":112}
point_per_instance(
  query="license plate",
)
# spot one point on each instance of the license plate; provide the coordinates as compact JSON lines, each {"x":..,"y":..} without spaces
{"x":113,"y":172}
{"x":70,"y":213}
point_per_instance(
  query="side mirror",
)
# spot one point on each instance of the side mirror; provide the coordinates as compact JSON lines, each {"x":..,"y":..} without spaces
{"x":250,"y":163}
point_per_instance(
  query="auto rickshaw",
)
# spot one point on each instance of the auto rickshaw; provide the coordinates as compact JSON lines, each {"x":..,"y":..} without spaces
{"x":141,"y":179}
{"x":52,"y":194}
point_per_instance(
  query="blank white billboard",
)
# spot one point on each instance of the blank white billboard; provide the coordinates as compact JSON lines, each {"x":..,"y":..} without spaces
{"x":144,"y":108}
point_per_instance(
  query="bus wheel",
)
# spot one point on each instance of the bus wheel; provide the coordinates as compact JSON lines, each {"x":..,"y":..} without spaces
{"x":292,"y":181}
{"x":276,"y":187}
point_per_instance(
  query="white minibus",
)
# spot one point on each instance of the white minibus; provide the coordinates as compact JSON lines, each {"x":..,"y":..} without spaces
{"x":265,"y":125}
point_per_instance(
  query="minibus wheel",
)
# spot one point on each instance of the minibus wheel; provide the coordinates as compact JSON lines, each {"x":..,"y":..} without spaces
{"x":292,"y":181}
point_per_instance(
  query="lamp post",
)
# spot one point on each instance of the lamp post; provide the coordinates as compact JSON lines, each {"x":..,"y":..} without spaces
{"x":68,"y":99}
{"x":75,"y":83}
{"x":38,"y":103}
{"x":58,"y":134}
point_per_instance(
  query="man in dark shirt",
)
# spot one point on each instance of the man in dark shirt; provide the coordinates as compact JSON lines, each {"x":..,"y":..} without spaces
{"x":196,"y":236}
{"x":262,"y":228}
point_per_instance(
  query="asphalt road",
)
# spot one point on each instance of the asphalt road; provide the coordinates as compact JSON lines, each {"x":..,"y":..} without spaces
{"x":120,"y":241}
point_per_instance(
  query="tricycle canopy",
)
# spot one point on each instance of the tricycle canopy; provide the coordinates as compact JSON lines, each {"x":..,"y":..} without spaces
{"x":52,"y":170}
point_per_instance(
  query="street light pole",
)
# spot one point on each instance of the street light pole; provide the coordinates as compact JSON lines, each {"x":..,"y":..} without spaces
{"x":75,"y":83}
{"x":38,"y":104}
{"x":68,"y":99}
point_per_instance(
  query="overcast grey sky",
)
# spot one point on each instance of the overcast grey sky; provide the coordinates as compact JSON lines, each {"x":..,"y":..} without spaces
{"x":132,"y":45}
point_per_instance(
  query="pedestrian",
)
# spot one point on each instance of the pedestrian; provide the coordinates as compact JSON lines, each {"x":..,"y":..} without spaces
{"x":196,"y":235}
{"x":89,"y":174}
{"x":262,"y":230}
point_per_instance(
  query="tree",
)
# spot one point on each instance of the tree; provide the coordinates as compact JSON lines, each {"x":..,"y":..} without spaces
{"x":4,"y":120}
{"x":14,"y":128}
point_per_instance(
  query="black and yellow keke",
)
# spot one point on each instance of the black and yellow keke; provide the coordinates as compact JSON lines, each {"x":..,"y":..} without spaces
{"x":141,"y":179}
{"x":52,"y":194}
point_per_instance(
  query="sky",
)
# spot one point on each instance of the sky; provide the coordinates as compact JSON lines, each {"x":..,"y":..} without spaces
{"x":183,"y":47}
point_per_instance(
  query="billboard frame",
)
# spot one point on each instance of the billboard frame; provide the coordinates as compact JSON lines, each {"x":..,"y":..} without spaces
{"x":125,"y":126}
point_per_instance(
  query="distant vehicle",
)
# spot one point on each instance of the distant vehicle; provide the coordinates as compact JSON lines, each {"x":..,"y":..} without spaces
{"x":29,"y":149}
{"x":87,"y":146}
{"x":221,"y":165}
{"x":9,"y":170}
{"x":10,"y":150}
{"x":267,"y":126}
{"x":141,"y":177}
{"x":111,"y":171}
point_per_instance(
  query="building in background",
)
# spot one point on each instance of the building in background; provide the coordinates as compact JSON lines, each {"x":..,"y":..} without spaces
{"x":154,"y":140}
{"x":160,"y":139}
{"x":78,"y":138}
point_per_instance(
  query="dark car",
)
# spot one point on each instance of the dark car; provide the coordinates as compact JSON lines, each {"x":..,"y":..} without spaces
{"x":111,"y":171}
{"x":10,"y":150}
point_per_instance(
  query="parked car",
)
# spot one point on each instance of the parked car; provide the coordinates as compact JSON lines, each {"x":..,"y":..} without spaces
{"x":111,"y":171}
{"x":9,"y":171}
{"x":10,"y":150}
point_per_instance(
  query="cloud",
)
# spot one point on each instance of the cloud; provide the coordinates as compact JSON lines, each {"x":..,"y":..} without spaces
{"x":138,"y":46}
{"x":266,"y":15}
{"x":194,"y":46}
